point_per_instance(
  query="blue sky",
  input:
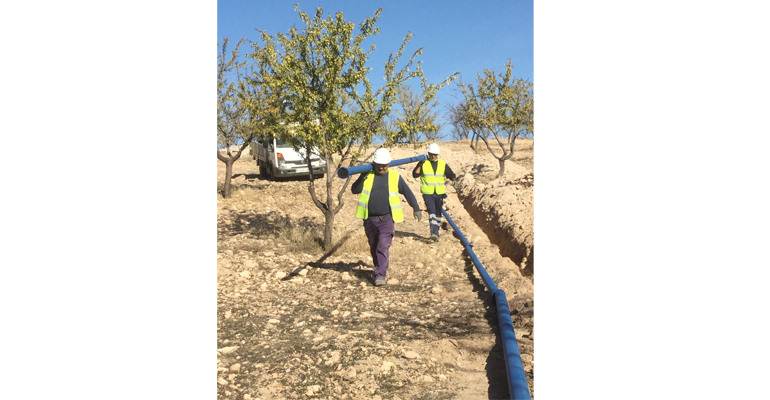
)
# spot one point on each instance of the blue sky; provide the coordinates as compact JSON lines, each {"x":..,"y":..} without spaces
{"x":456,"y":36}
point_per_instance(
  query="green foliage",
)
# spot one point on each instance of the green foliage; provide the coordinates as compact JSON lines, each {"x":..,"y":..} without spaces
{"x":322,"y":69}
{"x":499,"y":106}
{"x":416,"y":118}
{"x":246,"y":108}
{"x":319,"y":70}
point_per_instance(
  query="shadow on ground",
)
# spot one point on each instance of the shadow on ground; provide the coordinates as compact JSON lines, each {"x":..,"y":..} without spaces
{"x":496,"y":370}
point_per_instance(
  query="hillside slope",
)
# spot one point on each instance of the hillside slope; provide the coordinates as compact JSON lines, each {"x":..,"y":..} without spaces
{"x":295,"y":321}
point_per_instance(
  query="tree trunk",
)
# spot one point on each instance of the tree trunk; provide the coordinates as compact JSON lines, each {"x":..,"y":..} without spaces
{"x":329,"y":212}
{"x":228,"y":175}
{"x":327,"y":208}
{"x":229,"y":168}
{"x":502,"y":167}
{"x":328,"y":228}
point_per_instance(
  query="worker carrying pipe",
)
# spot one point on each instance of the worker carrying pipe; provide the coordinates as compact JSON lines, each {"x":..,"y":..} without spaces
{"x":379,"y":205}
{"x":432,"y":174}
{"x":343,"y":172}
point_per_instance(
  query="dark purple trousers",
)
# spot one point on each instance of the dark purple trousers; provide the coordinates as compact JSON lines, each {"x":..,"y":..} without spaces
{"x":380,"y":230}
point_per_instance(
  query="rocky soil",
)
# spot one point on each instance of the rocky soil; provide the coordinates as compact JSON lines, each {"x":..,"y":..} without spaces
{"x":295,"y":321}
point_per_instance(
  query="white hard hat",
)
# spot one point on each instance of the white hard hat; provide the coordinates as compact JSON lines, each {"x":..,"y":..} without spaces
{"x":433,"y":149}
{"x":381,"y":156}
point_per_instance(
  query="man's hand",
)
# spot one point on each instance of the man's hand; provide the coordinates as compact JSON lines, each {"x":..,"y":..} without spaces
{"x":418,"y":216}
{"x":454,"y":184}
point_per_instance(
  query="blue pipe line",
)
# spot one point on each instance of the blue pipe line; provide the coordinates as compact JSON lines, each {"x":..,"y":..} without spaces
{"x":517,"y":380}
{"x":345,"y":172}
{"x":488,"y":282}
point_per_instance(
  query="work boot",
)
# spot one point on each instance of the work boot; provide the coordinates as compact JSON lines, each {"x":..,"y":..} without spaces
{"x":434,"y":237}
{"x":379,"y":282}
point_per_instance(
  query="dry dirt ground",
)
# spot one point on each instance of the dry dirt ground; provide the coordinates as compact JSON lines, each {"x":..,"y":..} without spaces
{"x":295,"y":321}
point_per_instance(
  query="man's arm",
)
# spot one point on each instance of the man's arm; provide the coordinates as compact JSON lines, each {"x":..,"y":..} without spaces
{"x":449,"y":173}
{"x":417,"y":171}
{"x":404,"y":189}
{"x":358,"y":186}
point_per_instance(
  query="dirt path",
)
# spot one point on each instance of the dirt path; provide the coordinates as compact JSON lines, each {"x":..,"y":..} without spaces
{"x":296,"y":322}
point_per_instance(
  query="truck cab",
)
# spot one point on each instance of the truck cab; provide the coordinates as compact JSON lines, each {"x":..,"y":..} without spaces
{"x":277,"y":159}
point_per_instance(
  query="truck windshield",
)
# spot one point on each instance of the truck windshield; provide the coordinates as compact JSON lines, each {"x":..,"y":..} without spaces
{"x":281,"y":143}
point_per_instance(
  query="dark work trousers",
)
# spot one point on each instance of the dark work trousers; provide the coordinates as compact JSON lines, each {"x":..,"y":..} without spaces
{"x":434,"y":204}
{"x":380,"y":230}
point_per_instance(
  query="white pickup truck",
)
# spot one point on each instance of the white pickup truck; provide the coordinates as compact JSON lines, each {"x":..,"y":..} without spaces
{"x":277,"y":159}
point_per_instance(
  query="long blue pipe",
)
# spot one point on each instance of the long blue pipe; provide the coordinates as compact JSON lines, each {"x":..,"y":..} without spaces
{"x":345,"y":172}
{"x":517,"y":380}
{"x":488,"y":282}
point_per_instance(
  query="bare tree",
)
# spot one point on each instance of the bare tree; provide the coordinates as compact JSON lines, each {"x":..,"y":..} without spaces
{"x":232,"y":123}
{"x":455,"y":113}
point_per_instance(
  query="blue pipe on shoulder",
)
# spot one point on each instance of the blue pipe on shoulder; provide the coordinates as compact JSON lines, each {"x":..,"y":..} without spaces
{"x":345,"y":172}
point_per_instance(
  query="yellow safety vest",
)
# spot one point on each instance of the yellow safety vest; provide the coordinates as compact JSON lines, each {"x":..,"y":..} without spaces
{"x":362,"y":211}
{"x":430,"y":181}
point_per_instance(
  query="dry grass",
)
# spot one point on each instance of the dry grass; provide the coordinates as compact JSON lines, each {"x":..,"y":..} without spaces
{"x":302,"y":239}
{"x":524,"y":152}
{"x":306,"y":235}
{"x":239,"y":190}
{"x":300,"y":235}
{"x":349,"y":240}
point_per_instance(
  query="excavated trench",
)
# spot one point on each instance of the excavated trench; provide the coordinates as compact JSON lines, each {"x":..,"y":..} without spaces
{"x":502,"y":236}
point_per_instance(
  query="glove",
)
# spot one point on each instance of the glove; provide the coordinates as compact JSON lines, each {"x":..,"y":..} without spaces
{"x":418,"y":216}
{"x":454,"y":184}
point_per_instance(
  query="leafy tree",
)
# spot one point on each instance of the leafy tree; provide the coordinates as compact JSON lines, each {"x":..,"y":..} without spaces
{"x":515,"y":107}
{"x":246,"y":108}
{"x":320,"y":68}
{"x":529,"y":117}
{"x":500,"y":106}
{"x":416,"y":120}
